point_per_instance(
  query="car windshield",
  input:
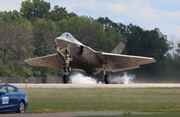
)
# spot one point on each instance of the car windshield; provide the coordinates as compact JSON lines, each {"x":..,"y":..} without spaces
{"x":3,"y":89}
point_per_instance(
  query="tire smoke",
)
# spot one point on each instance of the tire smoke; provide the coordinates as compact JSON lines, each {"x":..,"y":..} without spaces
{"x":125,"y":79}
{"x":79,"y":78}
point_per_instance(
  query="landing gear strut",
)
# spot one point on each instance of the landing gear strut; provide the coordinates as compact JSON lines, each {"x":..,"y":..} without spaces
{"x":65,"y":52}
{"x":107,"y":78}
{"x":67,"y":68}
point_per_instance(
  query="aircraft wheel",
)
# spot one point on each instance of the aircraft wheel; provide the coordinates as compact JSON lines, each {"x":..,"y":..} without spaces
{"x":107,"y":79}
{"x":65,"y":79}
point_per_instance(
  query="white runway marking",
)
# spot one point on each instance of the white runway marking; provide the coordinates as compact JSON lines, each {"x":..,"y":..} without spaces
{"x":134,"y":85}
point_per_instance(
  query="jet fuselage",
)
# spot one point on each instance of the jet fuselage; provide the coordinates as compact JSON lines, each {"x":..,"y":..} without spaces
{"x":81,"y":56}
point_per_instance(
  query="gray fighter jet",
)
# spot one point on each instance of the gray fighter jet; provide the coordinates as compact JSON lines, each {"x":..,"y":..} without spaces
{"x":72,"y":55}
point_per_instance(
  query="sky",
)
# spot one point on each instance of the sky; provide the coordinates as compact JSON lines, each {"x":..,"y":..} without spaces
{"x":148,"y":14}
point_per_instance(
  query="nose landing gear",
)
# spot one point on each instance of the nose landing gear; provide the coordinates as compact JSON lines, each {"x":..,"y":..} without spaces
{"x":65,"y":52}
{"x":67,"y":68}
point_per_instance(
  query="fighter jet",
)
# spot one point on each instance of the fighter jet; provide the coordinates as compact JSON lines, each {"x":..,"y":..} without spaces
{"x":72,"y":55}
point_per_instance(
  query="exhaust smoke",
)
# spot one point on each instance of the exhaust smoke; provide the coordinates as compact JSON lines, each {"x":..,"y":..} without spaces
{"x":79,"y":78}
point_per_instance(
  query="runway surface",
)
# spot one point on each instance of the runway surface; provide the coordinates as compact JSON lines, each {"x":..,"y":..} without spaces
{"x":134,"y":85}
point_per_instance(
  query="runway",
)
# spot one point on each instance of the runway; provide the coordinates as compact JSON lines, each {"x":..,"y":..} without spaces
{"x":133,"y":85}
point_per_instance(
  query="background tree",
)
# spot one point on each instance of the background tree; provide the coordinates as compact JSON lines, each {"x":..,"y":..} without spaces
{"x":146,"y":43}
{"x":36,"y":8}
{"x":59,"y":13}
{"x":43,"y":41}
{"x":15,"y":45}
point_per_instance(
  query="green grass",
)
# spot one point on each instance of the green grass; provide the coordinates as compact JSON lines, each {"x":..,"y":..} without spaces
{"x":172,"y":114}
{"x":103,"y":99}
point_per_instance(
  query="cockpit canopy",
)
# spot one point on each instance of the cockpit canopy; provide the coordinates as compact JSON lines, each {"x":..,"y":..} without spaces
{"x":68,"y":37}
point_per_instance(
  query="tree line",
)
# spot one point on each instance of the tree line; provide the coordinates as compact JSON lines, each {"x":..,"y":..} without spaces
{"x":31,"y":31}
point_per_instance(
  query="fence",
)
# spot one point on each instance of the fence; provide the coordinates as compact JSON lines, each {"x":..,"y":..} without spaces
{"x":31,"y":80}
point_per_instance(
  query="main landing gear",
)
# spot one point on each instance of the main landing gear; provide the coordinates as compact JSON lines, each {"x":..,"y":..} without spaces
{"x":107,"y":78}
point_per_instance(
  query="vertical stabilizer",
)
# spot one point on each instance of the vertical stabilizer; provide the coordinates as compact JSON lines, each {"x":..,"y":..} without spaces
{"x":119,"y":48}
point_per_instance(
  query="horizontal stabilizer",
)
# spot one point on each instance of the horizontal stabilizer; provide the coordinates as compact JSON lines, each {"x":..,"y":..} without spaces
{"x":119,"y":48}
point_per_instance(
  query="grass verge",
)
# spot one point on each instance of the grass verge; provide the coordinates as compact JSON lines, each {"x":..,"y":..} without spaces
{"x":172,"y":114}
{"x":43,"y":100}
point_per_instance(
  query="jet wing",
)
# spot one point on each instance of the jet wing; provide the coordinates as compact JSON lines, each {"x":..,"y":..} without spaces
{"x":119,"y":62}
{"x":52,"y":61}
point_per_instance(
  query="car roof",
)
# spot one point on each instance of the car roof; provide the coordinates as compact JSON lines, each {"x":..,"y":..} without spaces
{"x":1,"y":84}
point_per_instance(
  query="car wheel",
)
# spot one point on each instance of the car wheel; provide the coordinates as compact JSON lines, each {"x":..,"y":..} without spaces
{"x":21,"y":107}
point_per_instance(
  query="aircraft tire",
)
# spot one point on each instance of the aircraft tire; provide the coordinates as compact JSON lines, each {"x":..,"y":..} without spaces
{"x":65,"y":79}
{"x":107,"y":79}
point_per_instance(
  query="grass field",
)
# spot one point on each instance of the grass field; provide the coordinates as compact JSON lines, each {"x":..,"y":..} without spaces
{"x":43,"y":100}
{"x":142,"y":115}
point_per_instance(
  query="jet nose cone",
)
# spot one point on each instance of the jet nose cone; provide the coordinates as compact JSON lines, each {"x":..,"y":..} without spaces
{"x":59,"y":38}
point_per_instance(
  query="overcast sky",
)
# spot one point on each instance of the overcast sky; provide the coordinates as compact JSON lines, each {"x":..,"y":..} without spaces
{"x":148,"y":14}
